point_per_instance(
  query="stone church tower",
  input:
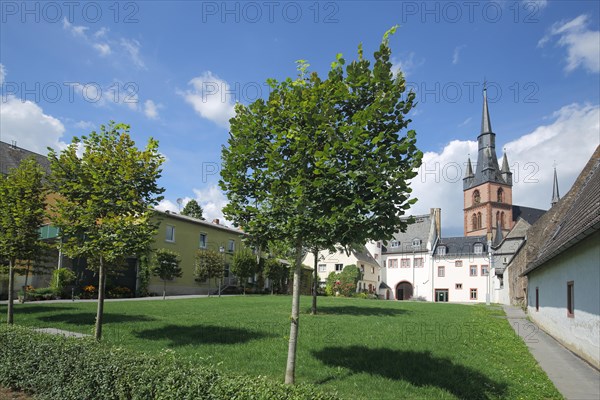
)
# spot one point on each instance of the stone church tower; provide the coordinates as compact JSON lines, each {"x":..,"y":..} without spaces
{"x":487,"y":192}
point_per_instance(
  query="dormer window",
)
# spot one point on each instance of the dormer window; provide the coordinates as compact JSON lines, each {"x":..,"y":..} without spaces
{"x":394,"y":243}
{"x":478,"y":248}
{"x":441,"y":251}
{"x":416,"y":243}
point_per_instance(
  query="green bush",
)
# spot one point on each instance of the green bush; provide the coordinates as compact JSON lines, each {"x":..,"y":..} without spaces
{"x":55,"y":367}
{"x":61,"y":278}
{"x":40,"y":294}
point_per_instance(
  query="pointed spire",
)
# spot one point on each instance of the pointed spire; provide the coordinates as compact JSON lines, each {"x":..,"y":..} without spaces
{"x":469,"y":169}
{"x":486,"y":125}
{"x":555,"y":194}
{"x":505,"y":167}
{"x":498,"y":238}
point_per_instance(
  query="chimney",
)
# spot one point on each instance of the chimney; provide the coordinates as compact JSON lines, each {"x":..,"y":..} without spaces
{"x":216,"y":221}
{"x":436,"y":213}
{"x":13,"y":144}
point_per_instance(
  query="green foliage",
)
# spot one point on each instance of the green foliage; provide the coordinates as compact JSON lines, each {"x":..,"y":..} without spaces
{"x":165,"y":265}
{"x":54,"y":367}
{"x":144,"y":274}
{"x":103,"y":209}
{"x":208,"y":264}
{"x":277,"y":274}
{"x":193,"y":209}
{"x":343,"y":283}
{"x":243,"y":265}
{"x":22,"y":203}
{"x":61,"y":278}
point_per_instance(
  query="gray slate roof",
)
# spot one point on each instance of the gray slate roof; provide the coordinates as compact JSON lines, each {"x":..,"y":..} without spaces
{"x":11,"y":156}
{"x":462,"y":245}
{"x":417,"y":230}
{"x":575,"y":217}
{"x":529,"y":214}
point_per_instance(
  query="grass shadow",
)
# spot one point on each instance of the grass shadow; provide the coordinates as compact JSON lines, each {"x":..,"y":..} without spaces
{"x":29,"y":308}
{"x":89,"y":318}
{"x":416,"y":367}
{"x":179,"y":335}
{"x":356,"y":310}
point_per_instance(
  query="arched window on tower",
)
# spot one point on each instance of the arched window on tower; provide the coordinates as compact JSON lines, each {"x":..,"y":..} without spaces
{"x":479,"y":220}
{"x":476,"y":197}
{"x":474,"y":221}
{"x":502,"y":219}
{"x":500,"y":195}
{"x":497,"y":218}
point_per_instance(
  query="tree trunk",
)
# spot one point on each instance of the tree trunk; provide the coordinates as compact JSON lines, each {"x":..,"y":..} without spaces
{"x":11,"y":289}
{"x":290,"y":370}
{"x":26,"y":279}
{"x":164,"y":289}
{"x":313,"y":311}
{"x":100,"y":312}
{"x":208,"y":293}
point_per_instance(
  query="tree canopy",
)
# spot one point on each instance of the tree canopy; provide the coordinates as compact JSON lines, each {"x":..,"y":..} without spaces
{"x":244,"y":265}
{"x":103,"y":208}
{"x":165,"y":265}
{"x":208,"y":264}
{"x":322,"y":161}
{"x":193,"y":209}
{"x":22,"y":205}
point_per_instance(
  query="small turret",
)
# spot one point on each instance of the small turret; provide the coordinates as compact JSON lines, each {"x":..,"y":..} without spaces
{"x":555,"y":194}
{"x":506,"y":174}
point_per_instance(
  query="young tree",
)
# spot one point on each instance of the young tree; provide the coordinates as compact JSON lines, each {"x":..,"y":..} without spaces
{"x":22,"y":204}
{"x":165,"y":265}
{"x":103,"y":208}
{"x":243,"y":266}
{"x":323,"y":161}
{"x":276,"y":272}
{"x":209,"y":264}
{"x":193,"y":209}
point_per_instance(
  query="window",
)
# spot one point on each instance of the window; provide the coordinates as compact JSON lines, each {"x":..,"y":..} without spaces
{"x":441,"y":271}
{"x":378,"y":245}
{"x":441,"y":250}
{"x":479,"y":220}
{"x":393,"y":263}
{"x":170,"y":235}
{"x":372,"y":270}
{"x":502,"y":219}
{"x":231,"y":246}
{"x":416,"y":243}
{"x":473,"y":271}
{"x":458,"y":286}
{"x":322,"y":267}
{"x":537,"y":299}
{"x":376,"y":256}
{"x":405,"y":262}
{"x":394,"y":243}
{"x":497,"y":218}
{"x":500,"y":195}
{"x":362,"y":268}
{"x":473,"y":294}
{"x":474,"y":221}
{"x":476,"y":197}
{"x":484,"y":270}
{"x":478,"y":248}
{"x":570,"y":299}
{"x":339,"y":267}
{"x":419,"y":262}
{"x":203,"y":240}
{"x":458,"y":263}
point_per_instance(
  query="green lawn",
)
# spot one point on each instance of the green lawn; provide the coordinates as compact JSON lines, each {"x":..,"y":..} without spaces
{"x":364,"y":349}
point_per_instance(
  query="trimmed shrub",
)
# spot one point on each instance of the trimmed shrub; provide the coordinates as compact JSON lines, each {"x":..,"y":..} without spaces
{"x":55,"y":367}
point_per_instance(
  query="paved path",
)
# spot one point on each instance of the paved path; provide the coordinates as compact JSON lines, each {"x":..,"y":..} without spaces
{"x":573,"y":377}
{"x":55,"y":331}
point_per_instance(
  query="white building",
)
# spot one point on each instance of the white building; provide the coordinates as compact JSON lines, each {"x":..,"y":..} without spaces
{"x":329,"y":262}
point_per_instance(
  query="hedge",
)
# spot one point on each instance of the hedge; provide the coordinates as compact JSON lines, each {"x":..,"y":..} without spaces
{"x":55,"y":367}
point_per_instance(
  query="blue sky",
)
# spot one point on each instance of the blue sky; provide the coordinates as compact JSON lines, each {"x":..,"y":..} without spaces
{"x":173,"y":70}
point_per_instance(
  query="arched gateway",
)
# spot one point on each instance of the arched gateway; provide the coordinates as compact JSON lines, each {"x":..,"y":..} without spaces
{"x":404,"y":290}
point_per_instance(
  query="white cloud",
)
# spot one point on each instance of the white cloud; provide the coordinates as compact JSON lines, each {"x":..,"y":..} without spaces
{"x":456,"y":55}
{"x":406,"y":65}
{"x":86,"y":125}
{"x":465,"y":122}
{"x":2,"y":74}
{"x":76,"y":30}
{"x":151,"y":109}
{"x":102,"y":32}
{"x":132,"y":48}
{"x":211,"y":199}
{"x":102,"y":48}
{"x":209,"y":98}
{"x":539,"y":4}
{"x":582,"y":44}
{"x":569,"y":140}
{"x":26,"y":123}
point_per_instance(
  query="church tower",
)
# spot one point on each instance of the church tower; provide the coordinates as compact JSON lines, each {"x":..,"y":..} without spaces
{"x":488,"y":190}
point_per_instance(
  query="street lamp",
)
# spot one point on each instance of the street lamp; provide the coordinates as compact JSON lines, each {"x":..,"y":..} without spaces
{"x":222,"y":251}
